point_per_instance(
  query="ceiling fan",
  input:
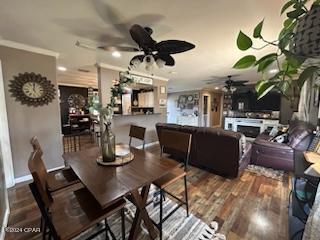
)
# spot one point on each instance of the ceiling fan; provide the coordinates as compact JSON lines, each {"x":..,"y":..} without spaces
{"x":158,"y":52}
{"x":152,"y":51}
{"x":231,"y":85}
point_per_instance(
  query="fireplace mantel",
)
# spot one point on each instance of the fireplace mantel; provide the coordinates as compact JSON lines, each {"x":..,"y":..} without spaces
{"x":250,"y":127}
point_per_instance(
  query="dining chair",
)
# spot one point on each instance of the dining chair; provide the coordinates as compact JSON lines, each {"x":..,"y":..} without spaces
{"x":138,"y":133}
{"x":68,"y":214}
{"x":181,"y":143}
{"x":58,"y":179}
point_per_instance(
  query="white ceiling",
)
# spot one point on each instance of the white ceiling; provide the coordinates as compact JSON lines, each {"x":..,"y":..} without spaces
{"x":212,"y":25}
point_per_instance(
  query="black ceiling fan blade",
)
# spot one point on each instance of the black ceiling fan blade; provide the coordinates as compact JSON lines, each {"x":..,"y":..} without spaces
{"x":137,"y":57}
{"x":141,"y":36}
{"x":239,"y":83}
{"x":167,"y":58}
{"x":119,"y":48}
{"x":173,"y":46}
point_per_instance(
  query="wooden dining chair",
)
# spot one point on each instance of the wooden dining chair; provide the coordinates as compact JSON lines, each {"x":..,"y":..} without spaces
{"x":138,"y":133}
{"x":181,"y":143}
{"x":56,"y":180}
{"x":68,"y":214}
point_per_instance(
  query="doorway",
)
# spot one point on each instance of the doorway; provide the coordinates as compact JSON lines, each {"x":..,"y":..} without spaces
{"x":216,"y":110}
{"x":206,"y":110}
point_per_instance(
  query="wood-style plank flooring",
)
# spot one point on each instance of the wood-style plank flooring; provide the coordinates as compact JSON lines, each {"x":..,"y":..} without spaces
{"x":249,"y":207}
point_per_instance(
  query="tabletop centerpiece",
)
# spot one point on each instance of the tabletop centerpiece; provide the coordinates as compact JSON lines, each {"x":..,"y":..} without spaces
{"x":105,"y":115}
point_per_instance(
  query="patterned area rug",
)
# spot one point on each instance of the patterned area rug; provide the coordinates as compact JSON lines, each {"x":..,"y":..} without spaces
{"x":177,"y":227}
{"x":267,"y":172}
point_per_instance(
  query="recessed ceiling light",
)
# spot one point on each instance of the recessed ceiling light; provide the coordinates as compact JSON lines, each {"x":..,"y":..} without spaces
{"x":116,"y":54}
{"x":216,"y":88}
{"x":274,"y":70}
{"x":61,"y":68}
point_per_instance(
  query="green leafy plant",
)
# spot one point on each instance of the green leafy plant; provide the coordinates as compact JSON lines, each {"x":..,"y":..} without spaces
{"x":290,"y":72}
{"x":106,"y":113}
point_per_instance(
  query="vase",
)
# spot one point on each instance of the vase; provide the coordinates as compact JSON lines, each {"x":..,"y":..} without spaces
{"x":108,"y":144}
{"x":307,"y":34}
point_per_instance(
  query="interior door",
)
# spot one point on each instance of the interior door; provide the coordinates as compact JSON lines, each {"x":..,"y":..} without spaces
{"x":216,"y":110}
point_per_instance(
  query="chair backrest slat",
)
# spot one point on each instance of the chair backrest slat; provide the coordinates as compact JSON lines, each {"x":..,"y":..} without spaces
{"x":39,"y":174}
{"x":137,"y":132}
{"x":177,"y":141}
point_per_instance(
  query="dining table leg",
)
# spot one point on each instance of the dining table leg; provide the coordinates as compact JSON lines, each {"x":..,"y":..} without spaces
{"x":140,"y":201}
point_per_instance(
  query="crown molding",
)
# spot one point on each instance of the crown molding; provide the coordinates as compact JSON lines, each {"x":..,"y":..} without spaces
{"x":122,"y":69}
{"x":28,"y":48}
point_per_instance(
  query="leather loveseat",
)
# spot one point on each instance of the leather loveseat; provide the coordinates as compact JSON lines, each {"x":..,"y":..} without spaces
{"x":219,"y":151}
{"x":281,"y":155}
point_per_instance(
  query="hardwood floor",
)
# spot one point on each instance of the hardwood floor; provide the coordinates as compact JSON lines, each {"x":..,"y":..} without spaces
{"x":249,"y":207}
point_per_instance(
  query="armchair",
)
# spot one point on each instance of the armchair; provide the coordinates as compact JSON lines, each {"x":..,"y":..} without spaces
{"x":281,"y":155}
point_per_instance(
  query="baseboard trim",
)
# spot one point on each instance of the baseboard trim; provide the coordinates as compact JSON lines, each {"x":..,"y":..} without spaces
{"x":4,"y":224}
{"x":29,"y":177}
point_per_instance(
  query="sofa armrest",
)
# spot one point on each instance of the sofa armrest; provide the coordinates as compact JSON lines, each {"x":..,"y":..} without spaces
{"x":273,"y":145}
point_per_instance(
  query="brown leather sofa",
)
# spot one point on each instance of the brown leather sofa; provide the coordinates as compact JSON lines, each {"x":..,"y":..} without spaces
{"x":219,"y":151}
{"x":281,"y":155}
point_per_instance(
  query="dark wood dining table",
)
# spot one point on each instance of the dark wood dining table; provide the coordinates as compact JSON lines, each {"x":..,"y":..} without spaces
{"x":107,"y":184}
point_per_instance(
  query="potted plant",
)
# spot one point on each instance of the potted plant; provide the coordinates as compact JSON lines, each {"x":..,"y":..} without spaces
{"x":290,"y":50}
{"x":108,"y":142}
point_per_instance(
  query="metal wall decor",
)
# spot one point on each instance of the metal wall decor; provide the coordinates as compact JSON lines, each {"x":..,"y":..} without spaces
{"x":32,"y":89}
{"x":76,"y":101}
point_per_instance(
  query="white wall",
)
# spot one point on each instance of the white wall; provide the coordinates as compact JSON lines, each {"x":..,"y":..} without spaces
{"x":173,"y":110}
{"x":4,"y":136}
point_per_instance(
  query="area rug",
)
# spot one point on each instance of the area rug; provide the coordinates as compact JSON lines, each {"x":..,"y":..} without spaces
{"x":267,"y":172}
{"x":177,"y":227}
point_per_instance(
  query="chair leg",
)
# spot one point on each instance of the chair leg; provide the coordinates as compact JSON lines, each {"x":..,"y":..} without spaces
{"x":186,"y":194}
{"x":123,"y":224}
{"x":160,"y":222}
{"x":106,"y":232}
{"x":44,"y":230}
{"x":108,"y":229}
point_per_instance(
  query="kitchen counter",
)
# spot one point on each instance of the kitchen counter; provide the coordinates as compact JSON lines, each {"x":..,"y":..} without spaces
{"x":136,"y":114}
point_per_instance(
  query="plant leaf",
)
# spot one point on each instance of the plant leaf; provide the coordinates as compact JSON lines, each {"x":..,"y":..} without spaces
{"x":243,"y":41}
{"x":264,"y":88}
{"x":286,"y":6}
{"x":293,"y":60}
{"x":266,"y":63}
{"x":287,"y":22}
{"x":271,"y":55}
{"x":245,"y":62}
{"x":296,"y":13}
{"x":306,"y":74}
{"x":257,"y":30}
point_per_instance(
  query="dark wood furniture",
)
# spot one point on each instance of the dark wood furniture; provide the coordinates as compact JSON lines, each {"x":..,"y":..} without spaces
{"x":56,"y":180}
{"x":302,"y":196}
{"x":79,"y":122}
{"x":108,"y":184}
{"x":58,"y":212}
{"x":178,"y":142}
{"x":73,"y":142}
{"x":137,"y":132}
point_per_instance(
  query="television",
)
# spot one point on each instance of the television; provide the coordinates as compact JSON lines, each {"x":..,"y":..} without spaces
{"x":270,"y":102}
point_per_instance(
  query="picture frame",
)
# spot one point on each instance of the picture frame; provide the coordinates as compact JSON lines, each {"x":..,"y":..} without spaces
{"x":162,"y":103}
{"x":163,"y":90}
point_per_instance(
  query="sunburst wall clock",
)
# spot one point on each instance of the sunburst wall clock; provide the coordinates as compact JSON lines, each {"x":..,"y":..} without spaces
{"x":32,"y":89}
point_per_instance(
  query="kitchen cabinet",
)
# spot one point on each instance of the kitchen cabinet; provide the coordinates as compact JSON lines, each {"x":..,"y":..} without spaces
{"x":146,"y":99}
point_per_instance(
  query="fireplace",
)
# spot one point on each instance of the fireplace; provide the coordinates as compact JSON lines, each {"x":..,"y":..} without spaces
{"x":249,"y":131}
